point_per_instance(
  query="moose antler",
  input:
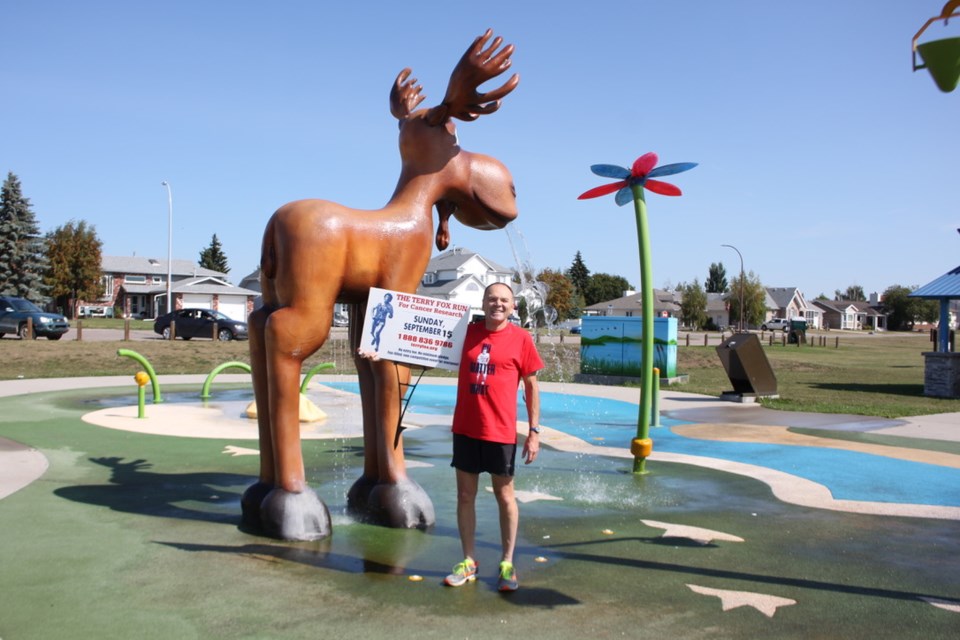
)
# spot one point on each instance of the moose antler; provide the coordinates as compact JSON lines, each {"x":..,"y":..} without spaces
{"x":477,"y":65}
{"x":405,"y":95}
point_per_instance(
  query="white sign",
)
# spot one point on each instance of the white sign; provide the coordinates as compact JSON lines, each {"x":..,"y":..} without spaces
{"x":414,"y":329}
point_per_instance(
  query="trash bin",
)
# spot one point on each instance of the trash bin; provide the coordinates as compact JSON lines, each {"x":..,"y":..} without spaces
{"x":747,"y":366}
{"x":798,"y":331}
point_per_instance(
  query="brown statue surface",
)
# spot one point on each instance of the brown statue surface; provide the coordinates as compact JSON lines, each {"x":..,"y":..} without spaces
{"x":317,"y":253}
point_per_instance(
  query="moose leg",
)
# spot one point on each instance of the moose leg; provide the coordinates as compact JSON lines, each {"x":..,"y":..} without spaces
{"x":291,"y":510}
{"x":254,"y":495}
{"x":384,"y":494}
{"x":397,"y":500}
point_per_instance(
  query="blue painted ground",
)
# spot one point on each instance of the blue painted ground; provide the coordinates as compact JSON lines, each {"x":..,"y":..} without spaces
{"x":849,"y":475}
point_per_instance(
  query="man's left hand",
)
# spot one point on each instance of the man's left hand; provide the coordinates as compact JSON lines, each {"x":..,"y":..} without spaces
{"x":531,"y":447}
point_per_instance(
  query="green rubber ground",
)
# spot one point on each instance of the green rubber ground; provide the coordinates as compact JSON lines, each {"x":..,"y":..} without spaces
{"x":136,"y":536}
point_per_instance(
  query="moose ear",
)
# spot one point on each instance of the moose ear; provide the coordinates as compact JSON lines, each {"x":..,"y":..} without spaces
{"x":445,"y":209}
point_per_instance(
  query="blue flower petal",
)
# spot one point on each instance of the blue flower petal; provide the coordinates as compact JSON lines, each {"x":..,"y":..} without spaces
{"x":670,"y":169}
{"x":610,"y":171}
{"x":624,"y":196}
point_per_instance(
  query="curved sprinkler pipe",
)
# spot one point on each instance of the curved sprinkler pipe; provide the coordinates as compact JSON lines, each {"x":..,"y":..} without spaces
{"x":205,"y":393}
{"x":313,"y":372}
{"x":127,"y":353}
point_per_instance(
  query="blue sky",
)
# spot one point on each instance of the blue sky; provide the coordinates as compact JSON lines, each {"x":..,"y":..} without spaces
{"x":823,"y":158}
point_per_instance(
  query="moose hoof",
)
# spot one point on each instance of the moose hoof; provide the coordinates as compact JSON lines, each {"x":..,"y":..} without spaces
{"x":250,"y":503}
{"x":401,"y":505}
{"x":358,"y":497}
{"x":294,"y":516}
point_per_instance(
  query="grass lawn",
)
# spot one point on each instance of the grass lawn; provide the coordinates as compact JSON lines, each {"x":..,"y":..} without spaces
{"x":874,"y":375}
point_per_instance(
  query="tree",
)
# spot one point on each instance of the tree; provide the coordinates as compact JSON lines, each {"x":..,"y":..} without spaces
{"x":693,"y":305}
{"x":603,"y":287}
{"x":716,"y":278}
{"x":213,"y":257}
{"x":903,"y":311}
{"x":74,"y":254}
{"x":854,"y":293}
{"x":754,"y":300}
{"x":559,"y":293}
{"x":22,"y":259}
{"x":579,"y":275}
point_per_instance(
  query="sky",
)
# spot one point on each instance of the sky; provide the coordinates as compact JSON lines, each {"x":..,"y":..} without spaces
{"x":823,"y":158}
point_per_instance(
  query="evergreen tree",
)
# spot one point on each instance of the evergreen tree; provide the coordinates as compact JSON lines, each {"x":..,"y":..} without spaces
{"x":579,"y":276}
{"x":716,"y":278}
{"x":22,"y":259}
{"x":74,"y":253}
{"x":693,"y":305}
{"x":213,"y":257}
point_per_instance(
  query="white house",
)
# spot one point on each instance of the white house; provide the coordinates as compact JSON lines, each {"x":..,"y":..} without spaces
{"x":460,"y":274}
{"x":791,"y":304}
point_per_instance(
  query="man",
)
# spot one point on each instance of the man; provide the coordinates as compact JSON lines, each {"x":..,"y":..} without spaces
{"x":497,"y":356}
{"x":381,"y":312}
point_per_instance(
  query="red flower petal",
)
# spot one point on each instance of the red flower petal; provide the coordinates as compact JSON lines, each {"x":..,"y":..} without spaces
{"x":596,"y":192}
{"x":663,"y":188}
{"x":643,"y":164}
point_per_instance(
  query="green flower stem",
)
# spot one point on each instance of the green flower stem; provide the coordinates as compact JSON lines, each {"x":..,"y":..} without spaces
{"x":646,"y":348}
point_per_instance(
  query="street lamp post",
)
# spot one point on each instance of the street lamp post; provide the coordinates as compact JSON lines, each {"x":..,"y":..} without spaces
{"x":740,"y":315}
{"x":169,"y":246}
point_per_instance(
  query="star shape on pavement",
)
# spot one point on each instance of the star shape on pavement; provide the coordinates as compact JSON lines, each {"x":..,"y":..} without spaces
{"x":529,"y":496}
{"x":703,"y":536}
{"x":952,"y":606}
{"x":239,"y":451}
{"x":762,"y":602}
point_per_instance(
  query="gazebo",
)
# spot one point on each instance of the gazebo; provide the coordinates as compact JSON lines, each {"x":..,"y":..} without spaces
{"x":942,"y":367}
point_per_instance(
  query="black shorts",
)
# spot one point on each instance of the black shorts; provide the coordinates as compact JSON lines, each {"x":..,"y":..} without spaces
{"x":478,"y":456}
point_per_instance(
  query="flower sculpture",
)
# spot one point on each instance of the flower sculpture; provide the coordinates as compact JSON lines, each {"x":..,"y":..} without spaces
{"x":630,"y":186}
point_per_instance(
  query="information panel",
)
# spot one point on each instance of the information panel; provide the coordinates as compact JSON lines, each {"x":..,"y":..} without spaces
{"x":414,"y":329}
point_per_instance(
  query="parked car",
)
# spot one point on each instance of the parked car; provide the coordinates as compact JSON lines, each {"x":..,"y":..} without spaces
{"x":198,"y":323}
{"x":776,"y":323}
{"x":576,"y":329}
{"x":14,"y":313}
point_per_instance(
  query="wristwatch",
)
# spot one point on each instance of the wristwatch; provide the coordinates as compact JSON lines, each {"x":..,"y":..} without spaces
{"x":534,"y":429}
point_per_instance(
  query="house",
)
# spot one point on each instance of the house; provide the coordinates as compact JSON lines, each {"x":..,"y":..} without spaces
{"x":137,"y":288}
{"x":460,"y":274}
{"x":851,"y":314}
{"x":666,"y":304}
{"x":718,"y":310}
{"x":790,"y":303}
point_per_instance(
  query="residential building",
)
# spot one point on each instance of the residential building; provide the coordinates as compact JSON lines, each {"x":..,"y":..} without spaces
{"x":136,"y":287}
{"x":461,"y":274}
{"x":790,"y":303}
{"x":666,"y":304}
{"x":853,"y":315}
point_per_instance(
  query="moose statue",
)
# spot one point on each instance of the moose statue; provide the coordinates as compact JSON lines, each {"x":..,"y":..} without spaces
{"x":317,"y":253}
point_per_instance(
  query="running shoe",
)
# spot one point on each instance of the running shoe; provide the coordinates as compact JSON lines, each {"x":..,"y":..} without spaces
{"x":463,"y":572}
{"x":508,"y":577}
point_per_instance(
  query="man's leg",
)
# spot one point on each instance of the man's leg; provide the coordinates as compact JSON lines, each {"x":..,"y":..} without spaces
{"x":509,"y":515}
{"x":467,"y":484}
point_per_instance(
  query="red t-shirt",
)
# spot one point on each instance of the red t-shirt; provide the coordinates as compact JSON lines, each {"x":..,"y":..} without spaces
{"x":491,"y":367}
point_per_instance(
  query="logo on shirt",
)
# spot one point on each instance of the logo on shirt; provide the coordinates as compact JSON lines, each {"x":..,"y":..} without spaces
{"x":481,"y":368}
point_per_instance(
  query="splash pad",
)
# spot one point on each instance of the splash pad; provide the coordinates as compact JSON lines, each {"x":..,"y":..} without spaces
{"x":598,"y":545}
